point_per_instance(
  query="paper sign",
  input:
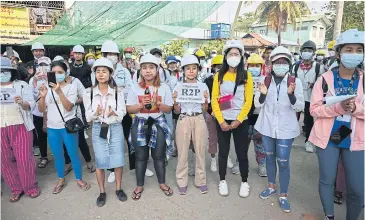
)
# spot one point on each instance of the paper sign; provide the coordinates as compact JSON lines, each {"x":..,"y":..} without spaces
{"x":190,"y":92}
{"x":7,"y":95}
{"x":256,"y":80}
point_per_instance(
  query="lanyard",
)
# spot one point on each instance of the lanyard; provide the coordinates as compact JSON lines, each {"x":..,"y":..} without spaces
{"x":350,"y":89}
{"x":101,"y":104}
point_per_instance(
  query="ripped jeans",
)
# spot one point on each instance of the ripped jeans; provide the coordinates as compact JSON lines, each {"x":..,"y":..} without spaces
{"x":278,"y":150}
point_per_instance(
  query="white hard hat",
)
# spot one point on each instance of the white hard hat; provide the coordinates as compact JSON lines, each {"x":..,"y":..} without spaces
{"x":103,"y":62}
{"x":352,"y":36}
{"x":189,"y":59}
{"x":149,"y":58}
{"x":78,"y":49}
{"x":37,"y":46}
{"x":233,"y":44}
{"x":109,"y":46}
{"x":15,"y":54}
{"x":58,"y":58}
{"x":280,"y":52}
{"x":44,"y":60}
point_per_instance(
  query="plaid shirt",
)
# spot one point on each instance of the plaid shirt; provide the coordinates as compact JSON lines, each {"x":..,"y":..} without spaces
{"x":141,"y":134}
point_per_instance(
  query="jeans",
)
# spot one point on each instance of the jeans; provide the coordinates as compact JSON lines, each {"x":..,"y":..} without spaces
{"x":84,"y":148}
{"x":142,"y":154}
{"x":240,"y":137}
{"x":56,"y":138}
{"x":254,"y":135}
{"x":353,"y":162}
{"x":278,"y":150}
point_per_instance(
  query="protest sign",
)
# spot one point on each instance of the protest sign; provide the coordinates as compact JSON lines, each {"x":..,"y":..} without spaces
{"x":190,"y":92}
{"x":7,"y":95}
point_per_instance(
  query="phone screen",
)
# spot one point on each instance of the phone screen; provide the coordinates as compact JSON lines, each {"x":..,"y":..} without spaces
{"x":51,"y":76}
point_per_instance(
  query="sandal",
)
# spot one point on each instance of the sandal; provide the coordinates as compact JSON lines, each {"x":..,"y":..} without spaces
{"x":168,"y":191}
{"x":42,"y":162}
{"x":137,"y":195}
{"x":15,"y":198}
{"x":121,"y":195}
{"x":58,"y":188}
{"x":338,"y":200}
{"x":67,"y":171}
{"x":91,"y":168}
{"x":84,"y":186}
{"x":35,"y":195}
{"x":100,"y":201}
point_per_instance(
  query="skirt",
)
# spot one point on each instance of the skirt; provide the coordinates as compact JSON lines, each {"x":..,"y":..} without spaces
{"x":108,"y":155}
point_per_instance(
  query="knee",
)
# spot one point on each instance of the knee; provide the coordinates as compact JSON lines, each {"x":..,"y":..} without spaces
{"x":270,"y":156}
{"x":283,"y":164}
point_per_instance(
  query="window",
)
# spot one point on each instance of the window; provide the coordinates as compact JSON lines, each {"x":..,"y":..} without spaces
{"x":304,"y":28}
{"x":314,"y":32}
{"x":321,"y":32}
{"x":262,"y":32}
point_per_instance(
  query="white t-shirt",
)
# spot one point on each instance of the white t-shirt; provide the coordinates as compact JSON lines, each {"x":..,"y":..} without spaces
{"x":35,"y":90}
{"x":80,"y":93}
{"x":163,"y":94}
{"x":189,"y":108}
{"x":54,"y":119}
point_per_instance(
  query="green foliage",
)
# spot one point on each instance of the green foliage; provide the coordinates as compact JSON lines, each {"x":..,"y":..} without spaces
{"x":245,"y":21}
{"x":213,"y":45}
{"x":174,"y":48}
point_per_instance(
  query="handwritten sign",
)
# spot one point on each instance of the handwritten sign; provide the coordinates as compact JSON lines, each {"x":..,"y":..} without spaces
{"x":190,"y":92}
{"x":14,"y":24}
{"x":256,"y":80}
{"x":7,"y":95}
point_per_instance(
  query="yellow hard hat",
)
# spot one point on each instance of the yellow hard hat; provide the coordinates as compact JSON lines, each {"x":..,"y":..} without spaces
{"x":331,"y":44}
{"x":200,"y":53}
{"x":98,"y":56}
{"x":217,"y":60}
{"x":322,"y":52}
{"x":255,"y":59}
{"x":89,"y":55}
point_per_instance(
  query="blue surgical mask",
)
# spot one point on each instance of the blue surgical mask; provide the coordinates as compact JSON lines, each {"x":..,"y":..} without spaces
{"x":128,"y":56}
{"x":280,"y":69}
{"x":60,"y":77}
{"x":90,"y":62}
{"x":351,"y":60}
{"x":5,"y":76}
{"x":255,"y":71}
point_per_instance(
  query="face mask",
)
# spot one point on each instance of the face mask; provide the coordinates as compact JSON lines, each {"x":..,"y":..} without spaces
{"x":128,"y":56}
{"x":319,"y":57}
{"x":307,"y":55}
{"x":5,"y":76}
{"x":332,"y":53}
{"x":113,"y":59}
{"x":296,"y":57}
{"x":233,"y":61}
{"x":280,"y":69}
{"x":255,"y":71}
{"x":159,"y":59}
{"x":351,"y":60}
{"x":90,"y":62}
{"x":213,"y":55}
{"x":173,"y":69}
{"x":60,"y":77}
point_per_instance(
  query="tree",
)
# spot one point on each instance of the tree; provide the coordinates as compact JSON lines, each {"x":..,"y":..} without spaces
{"x":245,"y":21}
{"x":353,"y":16}
{"x":277,"y":14}
{"x":174,"y":48}
{"x":213,"y":45}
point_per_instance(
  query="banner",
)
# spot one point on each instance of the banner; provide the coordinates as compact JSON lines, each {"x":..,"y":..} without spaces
{"x":14,"y":24}
{"x":190,"y":92}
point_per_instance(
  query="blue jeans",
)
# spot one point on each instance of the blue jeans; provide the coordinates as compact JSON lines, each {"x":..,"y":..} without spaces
{"x":278,"y":150}
{"x":353,"y":162}
{"x":56,"y":138}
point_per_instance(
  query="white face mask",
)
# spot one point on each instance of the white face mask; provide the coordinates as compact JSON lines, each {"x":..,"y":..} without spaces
{"x":233,"y":61}
{"x":113,"y":59}
{"x":319,"y":57}
{"x":307,"y":55}
{"x":280,"y":69}
{"x":332,"y":53}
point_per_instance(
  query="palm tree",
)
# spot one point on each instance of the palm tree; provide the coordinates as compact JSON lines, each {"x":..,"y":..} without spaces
{"x":277,"y":14}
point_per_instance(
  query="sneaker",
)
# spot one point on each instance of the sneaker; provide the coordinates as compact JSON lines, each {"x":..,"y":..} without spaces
{"x":203,"y":189}
{"x":236,"y":169}
{"x":262,"y":171}
{"x":244,"y":190}
{"x":223,"y":188}
{"x":111,"y":178}
{"x":284,"y":204}
{"x":213,"y":165}
{"x":182,"y":190}
{"x":267,"y":193}
{"x":149,"y":173}
{"x":309,"y":147}
{"x":329,"y":217}
{"x":229,"y":163}
{"x":86,"y":136}
{"x":37,"y":152}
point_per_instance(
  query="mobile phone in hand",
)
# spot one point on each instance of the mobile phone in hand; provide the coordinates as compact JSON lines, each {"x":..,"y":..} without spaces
{"x":51,"y":77}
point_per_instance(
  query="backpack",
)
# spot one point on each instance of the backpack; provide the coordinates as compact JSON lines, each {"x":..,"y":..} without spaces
{"x":291,"y":79}
{"x":317,"y":69}
{"x":116,"y":97}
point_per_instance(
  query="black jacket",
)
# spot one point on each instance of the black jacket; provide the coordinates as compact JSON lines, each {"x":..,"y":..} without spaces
{"x":82,"y":72}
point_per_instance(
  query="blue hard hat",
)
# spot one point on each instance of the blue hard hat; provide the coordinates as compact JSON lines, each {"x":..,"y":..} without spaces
{"x":170,"y":59}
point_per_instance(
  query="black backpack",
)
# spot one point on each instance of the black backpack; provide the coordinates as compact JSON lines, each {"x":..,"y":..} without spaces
{"x":317,"y":69}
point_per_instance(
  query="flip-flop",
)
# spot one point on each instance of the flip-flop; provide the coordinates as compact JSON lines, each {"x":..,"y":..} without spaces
{"x":84,"y":186}
{"x":68,"y":171}
{"x":167,"y":191}
{"x":91,"y":169}
{"x":35,"y":195}
{"x":137,"y":195}
{"x":16,"y":198}
{"x":43,"y":163}
{"x":58,"y":188}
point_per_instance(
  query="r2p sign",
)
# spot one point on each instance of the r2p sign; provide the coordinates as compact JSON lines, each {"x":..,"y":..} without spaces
{"x":7,"y":95}
{"x":190,"y":92}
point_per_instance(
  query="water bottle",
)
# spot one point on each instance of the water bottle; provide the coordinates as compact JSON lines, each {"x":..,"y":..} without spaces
{"x":148,"y":92}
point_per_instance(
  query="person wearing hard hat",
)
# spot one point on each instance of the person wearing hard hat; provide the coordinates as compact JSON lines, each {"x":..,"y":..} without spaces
{"x":58,"y":58}
{"x":78,"y":68}
{"x":58,"y":104}
{"x":213,"y":54}
{"x":308,"y":71}
{"x":171,"y":63}
{"x":320,"y":55}
{"x":107,"y":126}
{"x":178,"y":59}
{"x":90,"y":59}
{"x":191,"y":121}
{"x":38,"y":52}
{"x":20,"y":66}
{"x":339,"y":127}
{"x":328,"y":61}
{"x":204,"y":72}
{"x":164,"y":74}
{"x":279,"y":96}
{"x":130,"y":63}
{"x":17,"y":160}
{"x":149,"y":100}
{"x":232,"y":96}
{"x":267,"y":67}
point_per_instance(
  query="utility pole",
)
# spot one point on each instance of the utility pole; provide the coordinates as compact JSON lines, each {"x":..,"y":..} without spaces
{"x":235,"y":20}
{"x":338,"y":20}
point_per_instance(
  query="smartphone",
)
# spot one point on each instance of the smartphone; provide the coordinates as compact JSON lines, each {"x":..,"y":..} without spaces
{"x":9,"y":52}
{"x":104,"y":130}
{"x":51,"y":77}
{"x":341,"y":134}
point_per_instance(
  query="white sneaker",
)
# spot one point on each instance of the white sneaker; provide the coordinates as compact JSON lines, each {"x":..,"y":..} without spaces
{"x":111,"y":178}
{"x":236,"y":169}
{"x":262,"y":171}
{"x":213,"y":165}
{"x":229,"y":163}
{"x":244,"y":190}
{"x":86,"y":136}
{"x":223,"y":188}
{"x":149,"y":173}
{"x":309,"y":147}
